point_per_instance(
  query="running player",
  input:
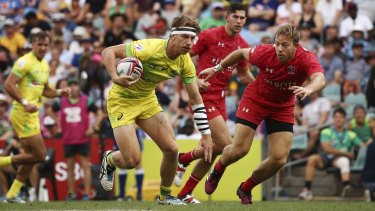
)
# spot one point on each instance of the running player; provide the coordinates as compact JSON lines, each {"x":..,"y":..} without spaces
{"x":134,"y":101}
{"x":214,"y":45}
{"x":284,"y":67}
{"x":27,"y":83}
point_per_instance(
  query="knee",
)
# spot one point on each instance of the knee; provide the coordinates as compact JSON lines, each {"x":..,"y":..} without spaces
{"x":40,"y":157}
{"x":171,"y":149}
{"x":131,"y":162}
{"x":239,"y":153}
{"x":343,"y":164}
{"x":312,"y":160}
{"x":219,"y":147}
{"x":278,"y":162}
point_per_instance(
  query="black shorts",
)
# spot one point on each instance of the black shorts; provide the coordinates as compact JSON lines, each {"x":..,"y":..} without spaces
{"x":327,"y":160}
{"x":272,"y":125}
{"x":71,"y":150}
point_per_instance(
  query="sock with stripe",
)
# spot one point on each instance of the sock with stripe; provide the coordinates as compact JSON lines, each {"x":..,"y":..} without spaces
{"x":190,"y":185}
{"x":249,"y":184}
{"x":219,"y":167}
{"x":164,"y":192}
{"x":187,"y":157}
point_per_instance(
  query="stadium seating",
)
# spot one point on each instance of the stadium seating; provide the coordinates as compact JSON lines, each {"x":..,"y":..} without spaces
{"x":332,"y":92}
{"x":352,"y":100}
{"x":300,"y":138}
{"x":359,"y":163}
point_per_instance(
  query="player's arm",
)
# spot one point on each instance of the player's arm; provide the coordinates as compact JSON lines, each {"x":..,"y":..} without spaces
{"x":200,"y":118}
{"x":245,"y":75}
{"x":233,"y":58}
{"x":317,"y":83}
{"x":109,"y":60}
{"x":11,"y":88}
{"x":52,"y":93}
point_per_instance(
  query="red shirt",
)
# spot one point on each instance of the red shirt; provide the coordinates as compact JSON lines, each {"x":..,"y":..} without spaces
{"x":272,"y":83}
{"x":212,"y":46}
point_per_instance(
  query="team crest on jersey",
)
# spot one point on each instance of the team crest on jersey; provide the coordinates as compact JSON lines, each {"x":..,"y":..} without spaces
{"x":21,"y":63}
{"x":291,"y":70}
{"x":138,"y":47}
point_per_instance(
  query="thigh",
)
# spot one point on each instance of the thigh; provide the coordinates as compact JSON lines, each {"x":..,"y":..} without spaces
{"x":219,"y":131}
{"x":24,"y":123}
{"x":70,"y":161}
{"x":127,"y":141}
{"x":33,"y":144}
{"x":85,"y":161}
{"x":84,"y":149}
{"x":243,"y":137}
{"x":70,"y":150}
{"x":159,"y":129}
{"x":279,"y":144}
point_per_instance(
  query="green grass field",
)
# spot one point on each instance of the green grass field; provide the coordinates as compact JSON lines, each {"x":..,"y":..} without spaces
{"x":233,"y":206}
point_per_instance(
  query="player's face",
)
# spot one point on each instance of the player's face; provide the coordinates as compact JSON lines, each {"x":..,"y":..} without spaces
{"x":40,"y":47}
{"x":184,"y":42}
{"x":235,"y":21}
{"x":285,"y":48}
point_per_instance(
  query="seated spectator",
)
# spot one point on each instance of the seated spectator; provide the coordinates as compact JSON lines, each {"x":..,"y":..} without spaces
{"x":60,"y":28}
{"x":216,"y":19}
{"x":346,"y":26}
{"x":32,"y":21}
{"x":171,"y":10}
{"x":5,"y":63}
{"x":311,"y":18}
{"x":6,"y":129}
{"x":338,"y":146}
{"x":368,"y":173}
{"x":262,"y":14}
{"x":286,"y":13}
{"x":308,"y":42}
{"x":49,"y":7}
{"x":333,"y":65}
{"x":12,"y":40}
{"x":314,"y":115}
{"x":117,"y":34}
{"x":331,"y":11}
{"x":357,"y":37}
{"x":360,"y":124}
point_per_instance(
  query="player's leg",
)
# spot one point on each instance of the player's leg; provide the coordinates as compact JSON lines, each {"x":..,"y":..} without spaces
{"x":160,"y":130}
{"x":35,"y":150}
{"x":243,"y":138}
{"x":313,"y":162}
{"x":3,"y":180}
{"x":139,"y":171}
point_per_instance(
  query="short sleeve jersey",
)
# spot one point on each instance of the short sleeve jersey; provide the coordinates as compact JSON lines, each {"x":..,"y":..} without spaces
{"x":157,"y":67}
{"x":272,"y":84}
{"x":212,"y":46}
{"x":34,"y":74}
{"x":345,"y":140}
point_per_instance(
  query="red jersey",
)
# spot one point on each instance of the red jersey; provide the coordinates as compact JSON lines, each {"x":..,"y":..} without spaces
{"x":274,"y":79}
{"x":212,"y":46}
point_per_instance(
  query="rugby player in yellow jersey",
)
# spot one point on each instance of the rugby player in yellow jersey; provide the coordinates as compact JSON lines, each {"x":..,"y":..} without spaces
{"x":134,"y":101}
{"x":27,"y":83}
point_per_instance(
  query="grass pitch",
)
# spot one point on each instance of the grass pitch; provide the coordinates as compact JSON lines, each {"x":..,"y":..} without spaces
{"x":232,"y":206}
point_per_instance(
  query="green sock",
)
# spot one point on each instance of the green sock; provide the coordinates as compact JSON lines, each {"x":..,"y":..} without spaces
{"x":110,"y":161}
{"x":5,"y":161}
{"x":165,"y":192}
{"x":14,"y":189}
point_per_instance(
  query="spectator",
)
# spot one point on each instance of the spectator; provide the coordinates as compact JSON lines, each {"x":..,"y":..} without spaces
{"x":9,"y":7}
{"x":307,"y":42}
{"x":368,"y":173}
{"x":357,"y":37}
{"x":60,"y":29}
{"x":217,"y":17}
{"x":331,"y":11}
{"x":50,"y":129}
{"x":286,"y":13}
{"x":75,"y":124}
{"x":32,"y":21}
{"x":338,"y":146}
{"x":311,"y":18}
{"x":93,"y":6}
{"x":69,"y":23}
{"x":314,"y":115}
{"x":370,"y":91}
{"x":262,"y":14}
{"x":333,"y":65}
{"x":346,"y":26}
{"x":58,"y":51}
{"x":6,"y":129}
{"x":331,"y":32}
{"x":360,"y":124}
{"x":117,"y":35}
{"x":5,"y":63}
{"x":171,"y":10}
{"x":12,"y":40}
{"x":56,"y":72}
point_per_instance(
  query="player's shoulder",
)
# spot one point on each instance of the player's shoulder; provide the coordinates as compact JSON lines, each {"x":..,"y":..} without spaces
{"x":265,"y":49}
{"x":327,"y":131}
{"x":25,"y":60}
{"x":148,"y":44}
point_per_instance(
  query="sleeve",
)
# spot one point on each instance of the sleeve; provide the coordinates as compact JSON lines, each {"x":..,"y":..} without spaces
{"x":343,"y":29}
{"x":244,"y":63}
{"x":91,"y":105}
{"x":339,"y":65}
{"x":56,"y":105}
{"x":326,"y":135}
{"x":338,"y":4}
{"x":326,"y":105}
{"x":255,"y":55}
{"x":356,"y":140}
{"x":313,"y":65}
{"x":20,"y":68}
{"x":188,"y":74}
{"x":142,"y":49}
{"x":200,"y":43}
{"x":368,"y":24}
{"x":297,"y":8}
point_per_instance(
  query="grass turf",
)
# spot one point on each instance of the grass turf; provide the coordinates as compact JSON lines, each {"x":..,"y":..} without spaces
{"x":233,"y":206}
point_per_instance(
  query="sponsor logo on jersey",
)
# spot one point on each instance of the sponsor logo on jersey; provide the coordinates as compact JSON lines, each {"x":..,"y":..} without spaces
{"x":220,"y":44}
{"x":152,"y":66}
{"x":120,"y":117}
{"x":245,"y":109}
{"x":211,"y":109}
{"x":138,"y":47}
{"x":21,"y":63}
{"x":281,"y":85}
{"x":269,"y":70}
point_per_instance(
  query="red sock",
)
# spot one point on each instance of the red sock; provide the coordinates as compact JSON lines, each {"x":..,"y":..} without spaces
{"x":190,"y":185}
{"x":220,"y":167}
{"x":187,"y":157}
{"x":249,"y":184}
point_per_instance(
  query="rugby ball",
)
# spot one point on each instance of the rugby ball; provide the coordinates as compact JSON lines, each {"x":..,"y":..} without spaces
{"x":130,"y":66}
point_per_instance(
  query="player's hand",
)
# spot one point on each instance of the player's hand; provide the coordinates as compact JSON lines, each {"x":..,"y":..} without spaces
{"x":206,"y":144}
{"x":65,"y":92}
{"x":89,"y":132}
{"x":31,"y":108}
{"x":206,"y":74}
{"x":301,"y":92}
{"x":125,"y":80}
{"x":202,"y":85}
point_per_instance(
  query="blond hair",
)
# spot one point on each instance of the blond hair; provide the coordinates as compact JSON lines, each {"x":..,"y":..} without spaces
{"x":289,"y":30}
{"x":186,"y":21}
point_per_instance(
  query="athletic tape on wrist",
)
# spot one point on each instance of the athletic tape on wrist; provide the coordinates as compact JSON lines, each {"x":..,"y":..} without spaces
{"x":200,"y":118}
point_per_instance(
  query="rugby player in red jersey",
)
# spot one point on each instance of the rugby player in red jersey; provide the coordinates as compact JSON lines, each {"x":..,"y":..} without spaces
{"x":212,"y":46}
{"x":284,"y":67}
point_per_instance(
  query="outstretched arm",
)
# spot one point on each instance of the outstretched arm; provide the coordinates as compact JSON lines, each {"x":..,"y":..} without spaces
{"x":317,"y":83}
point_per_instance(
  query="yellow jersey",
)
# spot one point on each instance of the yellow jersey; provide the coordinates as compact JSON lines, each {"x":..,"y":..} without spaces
{"x":14,"y":43}
{"x":34,"y":74}
{"x":157,"y":67}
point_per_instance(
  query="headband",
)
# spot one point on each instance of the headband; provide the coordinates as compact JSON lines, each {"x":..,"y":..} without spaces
{"x":184,"y":30}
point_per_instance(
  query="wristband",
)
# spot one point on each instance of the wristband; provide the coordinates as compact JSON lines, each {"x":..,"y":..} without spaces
{"x":218,"y":68}
{"x":200,"y":119}
{"x":24,"y":102}
{"x":58,"y":91}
